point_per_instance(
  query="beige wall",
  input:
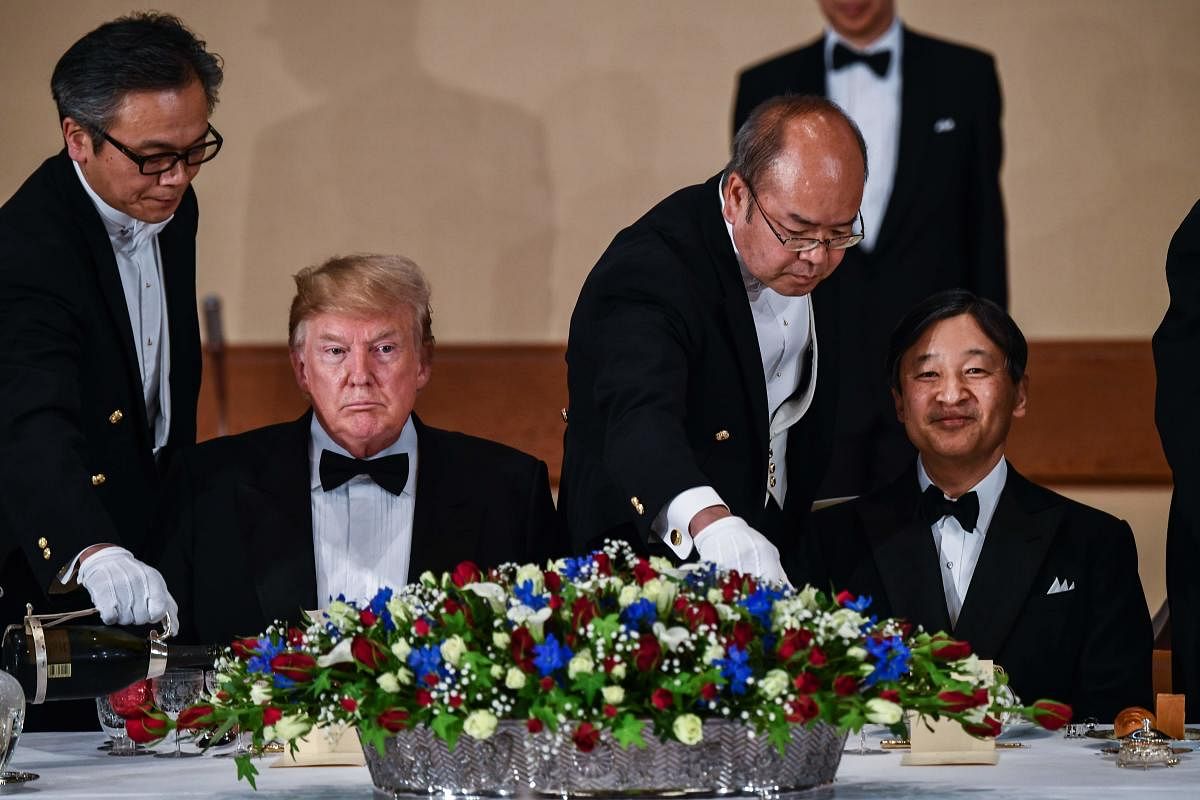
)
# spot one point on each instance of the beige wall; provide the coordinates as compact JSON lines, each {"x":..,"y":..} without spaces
{"x":503,"y":143}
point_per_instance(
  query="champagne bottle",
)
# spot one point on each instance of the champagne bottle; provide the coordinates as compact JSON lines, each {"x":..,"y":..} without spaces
{"x":70,"y":662}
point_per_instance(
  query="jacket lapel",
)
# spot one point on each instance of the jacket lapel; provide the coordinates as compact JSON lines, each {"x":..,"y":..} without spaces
{"x":446,"y":521}
{"x":915,"y":132}
{"x":1016,"y":544}
{"x":905,"y":554}
{"x":177,"y":246}
{"x":277,"y":516}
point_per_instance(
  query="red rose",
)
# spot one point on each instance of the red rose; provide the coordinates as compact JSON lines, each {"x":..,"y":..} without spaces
{"x":610,"y":710}
{"x":891,"y":695}
{"x":648,"y":653}
{"x":392,"y":720}
{"x":843,"y":597}
{"x":520,"y":646}
{"x":350,"y":704}
{"x":583,"y":611}
{"x":195,"y":717}
{"x":552,"y":580}
{"x":547,"y":683}
{"x":1051,"y":715}
{"x":367,"y":652}
{"x":466,"y":572}
{"x":367,"y":617}
{"x":146,"y":729}
{"x":452,"y":607}
{"x":989,"y":728}
{"x":662,"y":699}
{"x":421,"y":627}
{"x":271,"y":715}
{"x":134,"y":700}
{"x":709,"y":691}
{"x":423,"y":697}
{"x":431,"y":679}
{"x":730,"y":587}
{"x":949,"y":650}
{"x":244,"y":649}
{"x":680,"y":605}
{"x":957,"y":702}
{"x":455,"y":700}
{"x":803,"y":709}
{"x":603,"y":564}
{"x":743,"y":633}
{"x":295,"y":636}
{"x":702,"y":613}
{"x":792,"y":642}
{"x":844,"y":685}
{"x":609,"y":663}
{"x":644,"y":573}
{"x":294,"y":666}
{"x":806,"y":683}
{"x":556,"y":602}
{"x":816,"y":657}
{"x":533,"y":725}
{"x":586,"y":737}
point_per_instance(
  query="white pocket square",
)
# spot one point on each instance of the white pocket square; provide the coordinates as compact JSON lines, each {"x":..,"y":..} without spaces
{"x":944,"y":125}
{"x":1060,"y":586}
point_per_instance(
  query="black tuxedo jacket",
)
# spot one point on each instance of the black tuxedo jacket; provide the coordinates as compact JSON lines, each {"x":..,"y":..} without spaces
{"x":75,"y":445}
{"x":944,"y":225}
{"x":1089,"y":647}
{"x":239,"y":550}
{"x":1176,"y":348}
{"x":666,"y":383}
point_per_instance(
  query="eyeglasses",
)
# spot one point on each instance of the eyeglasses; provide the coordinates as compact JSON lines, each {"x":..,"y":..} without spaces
{"x":158,"y":163}
{"x":803,"y":244}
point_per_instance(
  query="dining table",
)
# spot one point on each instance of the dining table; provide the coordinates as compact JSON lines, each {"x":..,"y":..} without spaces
{"x":1034,"y":764}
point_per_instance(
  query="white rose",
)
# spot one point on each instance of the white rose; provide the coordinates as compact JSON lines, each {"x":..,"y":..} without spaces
{"x":260,"y":693}
{"x":774,"y":683}
{"x":661,"y":593}
{"x":453,"y":649}
{"x":618,"y":672}
{"x":972,"y":671}
{"x":342,"y":615}
{"x":628,"y":596}
{"x":857,"y":653}
{"x":580,"y":664}
{"x":613,"y":695}
{"x":480,"y":724}
{"x":401,"y":649}
{"x":399,"y":611}
{"x":713,"y":652}
{"x":292,"y":727}
{"x":405,"y":676}
{"x":846,"y":623}
{"x":515,"y":679}
{"x":883,"y":712}
{"x":388,"y":682}
{"x":428,"y":578}
{"x":688,"y":728}
{"x":715,"y":596}
{"x":501,"y":640}
{"x":808,"y":597}
{"x":496,"y":671}
{"x":533,"y":574}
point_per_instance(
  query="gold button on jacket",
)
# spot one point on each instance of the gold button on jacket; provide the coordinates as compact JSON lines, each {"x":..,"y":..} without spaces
{"x":116,"y":416}
{"x":46,"y":553}
{"x":42,"y":542}
{"x":637,"y":506}
{"x":99,"y":478}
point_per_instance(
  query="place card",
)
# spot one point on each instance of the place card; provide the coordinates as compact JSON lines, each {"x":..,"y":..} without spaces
{"x":324,"y":746}
{"x":945,"y":742}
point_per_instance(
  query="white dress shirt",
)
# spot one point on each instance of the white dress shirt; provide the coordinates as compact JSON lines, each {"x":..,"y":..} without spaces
{"x":362,"y":533}
{"x":958,"y":550}
{"x":874,"y":104}
{"x":786,"y":327}
{"x":139,"y":262}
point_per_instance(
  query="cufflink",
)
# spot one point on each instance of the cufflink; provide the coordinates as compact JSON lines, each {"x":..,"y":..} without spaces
{"x":99,"y":478}
{"x":46,"y":553}
{"x":721,"y":435}
{"x":676,"y":537}
{"x":563,"y":412}
{"x":637,"y":506}
{"x":116,"y":417}
{"x":42,"y":542}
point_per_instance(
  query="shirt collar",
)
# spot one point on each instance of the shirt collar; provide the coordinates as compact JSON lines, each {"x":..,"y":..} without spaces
{"x":319,"y":439}
{"x":988,"y":490}
{"x":122,"y":228}
{"x":891,"y":39}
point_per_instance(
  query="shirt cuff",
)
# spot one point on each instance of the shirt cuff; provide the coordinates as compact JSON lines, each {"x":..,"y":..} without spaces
{"x":672,"y":522}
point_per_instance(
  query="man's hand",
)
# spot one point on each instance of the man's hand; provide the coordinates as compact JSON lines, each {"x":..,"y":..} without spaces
{"x":125,"y":591}
{"x":732,"y":544}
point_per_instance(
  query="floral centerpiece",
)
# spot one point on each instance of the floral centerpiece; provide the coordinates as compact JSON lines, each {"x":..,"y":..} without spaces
{"x":608,"y":644}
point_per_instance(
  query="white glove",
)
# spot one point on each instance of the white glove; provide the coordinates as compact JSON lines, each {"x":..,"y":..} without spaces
{"x":125,"y":591}
{"x":732,"y":544}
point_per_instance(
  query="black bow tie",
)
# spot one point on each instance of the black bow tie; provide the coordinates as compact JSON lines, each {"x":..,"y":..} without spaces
{"x":934,"y":506}
{"x":390,"y":472}
{"x":878,"y":61}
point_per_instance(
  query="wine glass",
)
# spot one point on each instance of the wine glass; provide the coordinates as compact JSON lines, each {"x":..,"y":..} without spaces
{"x":205,"y":740}
{"x":174,"y":691}
{"x":862,"y":749}
{"x":113,"y":724}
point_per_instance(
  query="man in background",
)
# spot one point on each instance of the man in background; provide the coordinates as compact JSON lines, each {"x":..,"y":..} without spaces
{"x":934,"y":218}
{"x":99,"y":341}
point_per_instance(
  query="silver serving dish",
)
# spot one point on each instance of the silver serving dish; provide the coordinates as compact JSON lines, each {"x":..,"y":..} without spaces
{"x":728,"y":761}
{"x":1146,"y":747}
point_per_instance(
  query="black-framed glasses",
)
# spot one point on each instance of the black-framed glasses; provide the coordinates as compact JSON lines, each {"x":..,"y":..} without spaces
{"x":803,"y":244}
{"x":158,"y":163}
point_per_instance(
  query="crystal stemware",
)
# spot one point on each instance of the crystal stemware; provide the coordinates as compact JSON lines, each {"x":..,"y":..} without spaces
{"x":174,"y":691}
{"x":113,"y":725}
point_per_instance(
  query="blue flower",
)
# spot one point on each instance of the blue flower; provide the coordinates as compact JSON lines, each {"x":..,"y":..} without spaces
{"x":267,"y":649}
{"x":526,"y":595}
{"x":574,"y":568}
{"x":379,"y":608}
{"x":860,"y":605}
{"x":760,"y":603}
{"x":735,"y":669}
{"x":550,"y":655}
{"x":426,"y":660}
{"x":891,"y":659}
{"x":702,"y":577}
{"x":642,"y":611}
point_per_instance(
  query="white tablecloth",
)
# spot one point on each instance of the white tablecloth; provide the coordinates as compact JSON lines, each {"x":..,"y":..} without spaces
{"x":1049,"y":768}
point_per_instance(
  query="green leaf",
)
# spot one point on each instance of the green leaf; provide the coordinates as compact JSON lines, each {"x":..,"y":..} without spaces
{"x":247,"y":770}
{"x":448,"y":728}
{"x":589,"y":683}
{"x":373,"y":736}
{"x":779,"y":734}
{"x":628,"y":731}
